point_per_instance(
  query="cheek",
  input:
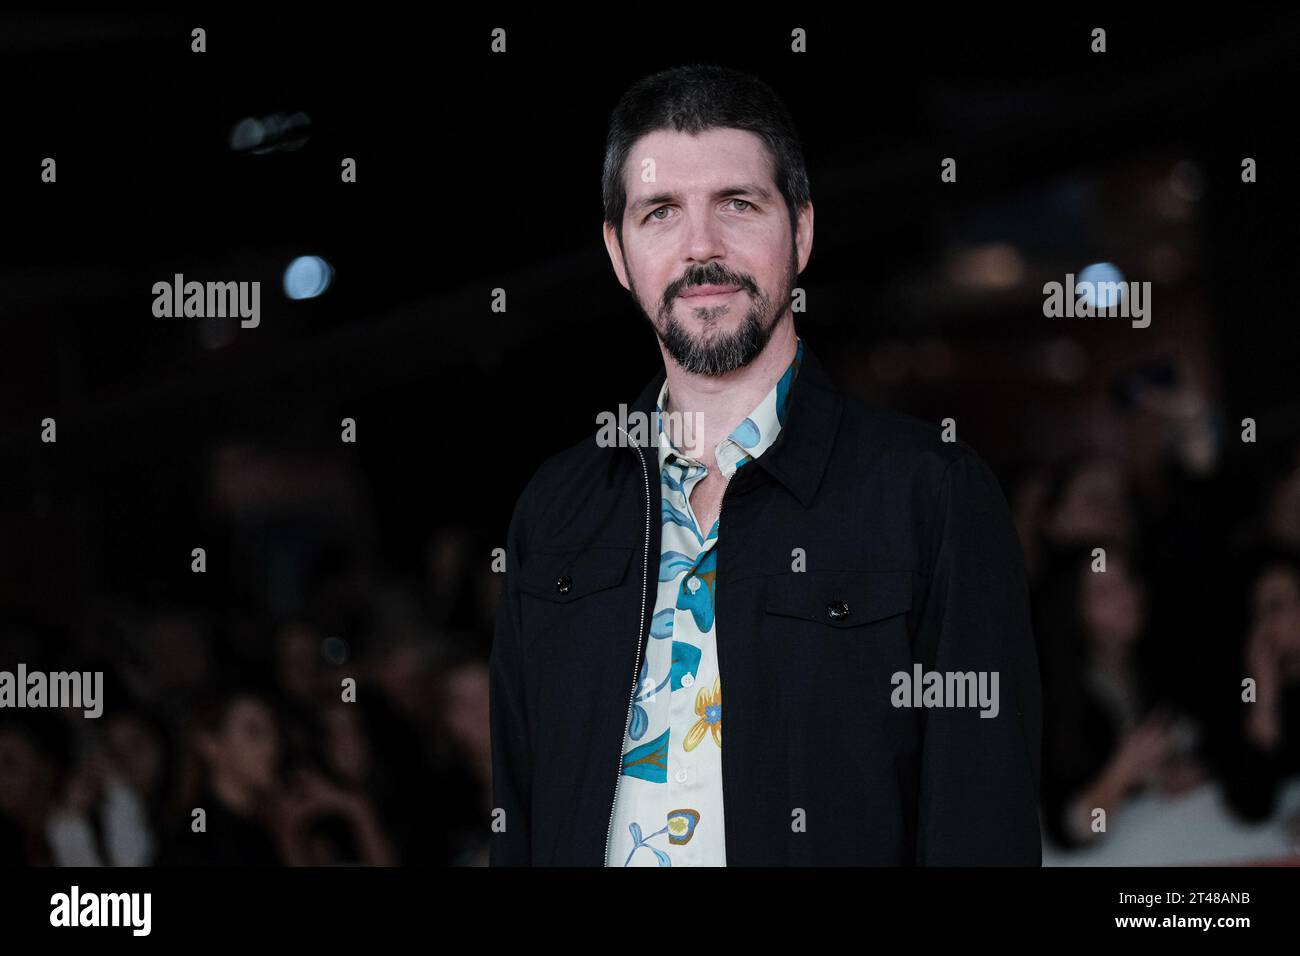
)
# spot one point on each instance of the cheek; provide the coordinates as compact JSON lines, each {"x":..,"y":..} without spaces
{"x":770,"y":248}
{"x":648,"y":281}
{"x":778,"y":263}
{"x":649,"y":258}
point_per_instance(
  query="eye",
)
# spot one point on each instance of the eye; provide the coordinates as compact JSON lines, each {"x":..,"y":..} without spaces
{"x":745,"y":202}
{"x":655,"y":214}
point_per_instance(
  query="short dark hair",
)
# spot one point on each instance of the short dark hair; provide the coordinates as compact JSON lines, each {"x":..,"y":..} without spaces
{"x":694,"y":98}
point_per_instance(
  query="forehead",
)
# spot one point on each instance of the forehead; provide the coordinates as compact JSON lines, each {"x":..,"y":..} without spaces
{"x":711,"y":158}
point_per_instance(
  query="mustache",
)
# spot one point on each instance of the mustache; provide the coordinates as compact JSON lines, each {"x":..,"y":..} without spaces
{"x":717,"y":276}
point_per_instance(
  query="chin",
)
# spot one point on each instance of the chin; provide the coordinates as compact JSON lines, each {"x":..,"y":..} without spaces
{"x":726,"y":319}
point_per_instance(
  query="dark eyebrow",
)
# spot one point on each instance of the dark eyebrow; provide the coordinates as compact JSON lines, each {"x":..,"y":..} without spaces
{"x":726,"y":192}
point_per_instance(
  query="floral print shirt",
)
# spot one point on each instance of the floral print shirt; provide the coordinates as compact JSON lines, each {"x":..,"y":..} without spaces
{"x":669,"y":806}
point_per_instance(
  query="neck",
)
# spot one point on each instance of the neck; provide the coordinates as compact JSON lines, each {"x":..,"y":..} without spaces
{"x":723,"y":401}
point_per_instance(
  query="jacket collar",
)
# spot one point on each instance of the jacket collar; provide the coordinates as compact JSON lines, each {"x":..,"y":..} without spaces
{"x":798,"y":457}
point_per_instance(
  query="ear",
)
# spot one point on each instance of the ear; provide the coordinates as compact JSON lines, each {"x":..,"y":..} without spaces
{"x":803,"y":237}
{"x":615,"y":254}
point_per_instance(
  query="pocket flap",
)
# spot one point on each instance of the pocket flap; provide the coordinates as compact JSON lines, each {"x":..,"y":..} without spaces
{"x":564,"y":576}
{"x":840,"y":598}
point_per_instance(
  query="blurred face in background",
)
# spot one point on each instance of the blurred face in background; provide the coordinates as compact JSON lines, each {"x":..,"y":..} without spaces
{"x":712,"y":221}
{"x":1275,"y":613}
{"x":1283,"y":518}
{"x":347,"y":751}
{"x":445,"y":557}
{"x":25,"y":776}
{"x":465,"y":691}
{"x":403,"y":672}
{"x":1112,"y":605}
{"x":137,"y":752}
{"x":245,"y":750}
{"x":297,"y":661}
{"x":1094,"y":504}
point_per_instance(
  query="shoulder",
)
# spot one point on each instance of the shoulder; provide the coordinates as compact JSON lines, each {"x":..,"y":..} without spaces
{"x":575,"y":475}
{"x":928,"y":453}
{"x":560,"y":468}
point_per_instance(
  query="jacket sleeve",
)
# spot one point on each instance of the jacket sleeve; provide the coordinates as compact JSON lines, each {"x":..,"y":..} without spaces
{"x":511,"y":833}
{"x":978,"y":799}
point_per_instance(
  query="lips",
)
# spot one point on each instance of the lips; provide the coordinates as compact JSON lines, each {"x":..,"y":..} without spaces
{"x":702,"y":290}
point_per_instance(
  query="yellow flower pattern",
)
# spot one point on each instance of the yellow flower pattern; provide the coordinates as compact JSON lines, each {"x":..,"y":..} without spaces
{"x":708,"y":707}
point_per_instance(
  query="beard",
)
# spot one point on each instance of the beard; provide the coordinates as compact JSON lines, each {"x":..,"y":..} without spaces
{"x":714,"y":352}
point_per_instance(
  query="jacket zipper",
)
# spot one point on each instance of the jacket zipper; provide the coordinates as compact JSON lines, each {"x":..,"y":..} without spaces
{"x":717,"y":568}
{"x":640,"y":636}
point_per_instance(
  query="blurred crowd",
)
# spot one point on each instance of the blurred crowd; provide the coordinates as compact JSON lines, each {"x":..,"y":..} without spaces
{"x":328,"y":712}
{"x":256,"y":722}
{"x":1166,"y":605}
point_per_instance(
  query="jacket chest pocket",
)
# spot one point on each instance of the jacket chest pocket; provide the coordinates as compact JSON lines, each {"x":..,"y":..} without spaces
{"x":840,"y":599}
{"x":845,"y":629}
{"x":569,"y":598}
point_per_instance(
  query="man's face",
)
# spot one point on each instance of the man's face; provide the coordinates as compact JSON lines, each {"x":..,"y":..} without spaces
{"x":707,"y":250}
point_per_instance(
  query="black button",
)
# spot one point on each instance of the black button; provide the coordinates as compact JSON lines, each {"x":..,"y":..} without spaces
{"x":563,"y":584}
{"x":838,"y":610}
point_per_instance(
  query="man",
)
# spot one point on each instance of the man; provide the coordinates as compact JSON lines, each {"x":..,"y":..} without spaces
{"x":852,"y":580}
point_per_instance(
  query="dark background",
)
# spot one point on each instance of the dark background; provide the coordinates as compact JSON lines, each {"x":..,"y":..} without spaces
{"x":478,"y":171}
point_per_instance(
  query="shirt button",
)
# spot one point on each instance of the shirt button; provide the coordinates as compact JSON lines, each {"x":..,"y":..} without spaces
{"x":563,"y":583}
{"x":682,"y":775}
{"x":838,"y":610}
{"x":687,"y":680}
{"x":693,"y":585}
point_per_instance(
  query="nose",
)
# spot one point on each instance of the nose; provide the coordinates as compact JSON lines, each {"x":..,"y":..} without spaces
{"x":703,"y":238}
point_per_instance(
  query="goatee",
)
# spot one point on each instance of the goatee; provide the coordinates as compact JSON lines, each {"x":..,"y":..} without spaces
{"x":720,"y":352}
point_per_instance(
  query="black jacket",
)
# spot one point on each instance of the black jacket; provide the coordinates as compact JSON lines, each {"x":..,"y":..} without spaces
{"x":912,"y":533}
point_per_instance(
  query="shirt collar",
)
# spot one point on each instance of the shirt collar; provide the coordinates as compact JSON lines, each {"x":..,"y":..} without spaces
{"x":751,"y":437}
